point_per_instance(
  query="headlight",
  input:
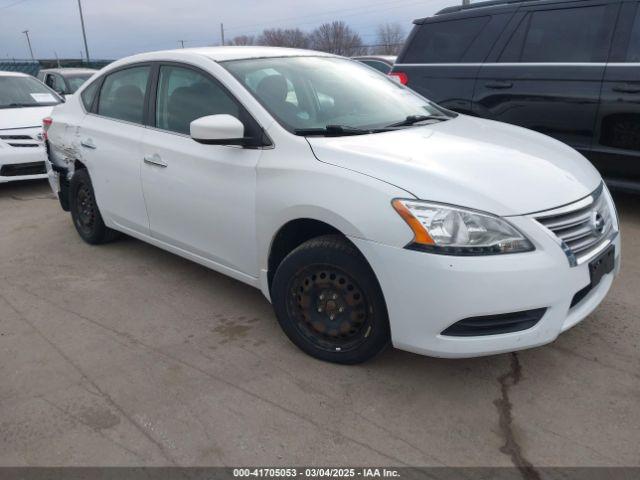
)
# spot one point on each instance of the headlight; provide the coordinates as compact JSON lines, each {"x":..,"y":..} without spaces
{"x":452,"y":230}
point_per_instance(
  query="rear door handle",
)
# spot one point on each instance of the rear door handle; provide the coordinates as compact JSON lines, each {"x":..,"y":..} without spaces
{"x":627,"y":88}
{"x":155,"y":160}
{"x":88,"y":143}
{"x":498,"y":85}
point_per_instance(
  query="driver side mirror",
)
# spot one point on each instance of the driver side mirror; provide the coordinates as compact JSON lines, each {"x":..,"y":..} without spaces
{"x":218,"y":130}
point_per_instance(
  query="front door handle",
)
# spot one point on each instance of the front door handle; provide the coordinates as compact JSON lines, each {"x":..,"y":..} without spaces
{"x":155,"y":160}
{"x":498,"y":85}
{"x":627,"y":88}
{"x":88,"y":143}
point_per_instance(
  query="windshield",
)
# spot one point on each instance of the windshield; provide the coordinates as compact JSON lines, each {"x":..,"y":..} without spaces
{"x":18,"y":92}
{"x":74,"y":82}
{"x":305,"y":93}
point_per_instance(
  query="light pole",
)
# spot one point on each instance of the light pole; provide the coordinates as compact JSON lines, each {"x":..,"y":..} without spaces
{"x":26,"y":32}
{"x":84,"y":33}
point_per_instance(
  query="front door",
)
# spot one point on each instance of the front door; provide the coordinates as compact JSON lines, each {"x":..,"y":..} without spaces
{"x":200,"y":198}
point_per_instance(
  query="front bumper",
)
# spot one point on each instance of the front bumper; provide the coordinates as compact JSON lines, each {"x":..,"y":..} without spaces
{"x":21,"y":151}
{"x":427,"y":293}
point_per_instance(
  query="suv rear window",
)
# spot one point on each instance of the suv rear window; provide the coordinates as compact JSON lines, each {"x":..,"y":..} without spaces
{"x":444,"y":42}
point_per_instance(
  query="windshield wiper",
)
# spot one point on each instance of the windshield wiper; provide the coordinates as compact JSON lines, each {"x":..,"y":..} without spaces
{"x":337,"y":131}
{"x":13,"y":105}
{"x":26,"y":105}
{"x":413,"y":119}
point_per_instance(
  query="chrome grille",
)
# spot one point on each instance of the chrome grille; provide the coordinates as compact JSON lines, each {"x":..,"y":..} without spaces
{"x":582,"y":227}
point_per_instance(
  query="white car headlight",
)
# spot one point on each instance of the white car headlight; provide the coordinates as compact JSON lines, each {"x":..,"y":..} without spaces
{"x":452,"y":230}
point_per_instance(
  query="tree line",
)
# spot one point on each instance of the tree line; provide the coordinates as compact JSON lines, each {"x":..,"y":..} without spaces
{"x":334,"y":37}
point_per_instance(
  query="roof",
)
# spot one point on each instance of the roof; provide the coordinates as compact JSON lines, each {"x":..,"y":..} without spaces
{"x":474,"y":6}
{"x":13,"y":74}
{"x":470,"y":6}
{"x":69,"y":70}
{"x":221,"y":54}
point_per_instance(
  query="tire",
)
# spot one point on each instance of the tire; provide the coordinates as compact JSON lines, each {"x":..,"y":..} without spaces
{"x":329,"y":303}
{"x":85,"y":213}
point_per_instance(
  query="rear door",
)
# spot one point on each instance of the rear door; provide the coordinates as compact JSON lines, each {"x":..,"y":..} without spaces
{"x":442,"y":57}
{"x":110,"y":142}
{"x":546,"y":72}
{"x":616,"y":149}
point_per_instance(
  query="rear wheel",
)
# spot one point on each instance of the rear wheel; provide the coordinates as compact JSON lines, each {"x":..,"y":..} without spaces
{"x":84,"y":211}
{"x":329,"y":303}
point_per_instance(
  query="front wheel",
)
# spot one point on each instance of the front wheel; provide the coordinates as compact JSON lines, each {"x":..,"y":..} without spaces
{"x":84,"y":211}
{"x":329,"y":303}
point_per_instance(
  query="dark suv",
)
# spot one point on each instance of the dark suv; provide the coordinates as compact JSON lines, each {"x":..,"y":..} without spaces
{"x":569,"y":69}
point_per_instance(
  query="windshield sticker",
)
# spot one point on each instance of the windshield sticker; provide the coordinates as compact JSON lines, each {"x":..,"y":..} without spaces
{"x":43,"y":97}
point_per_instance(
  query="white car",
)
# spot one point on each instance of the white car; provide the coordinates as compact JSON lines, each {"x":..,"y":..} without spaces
{"x":24,"y":102}
{"x":365,"y":213}
{"x":65,"y":81}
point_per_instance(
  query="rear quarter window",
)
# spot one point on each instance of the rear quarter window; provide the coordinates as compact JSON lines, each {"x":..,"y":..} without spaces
{"x":444,"y":42}
{"x":89,"y":94}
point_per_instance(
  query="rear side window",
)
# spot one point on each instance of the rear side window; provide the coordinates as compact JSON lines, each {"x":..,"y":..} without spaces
{"x":89,"y":94}
{"x":633,"y":53}
{"x":122,"y":94}
{"x":444,"y":42}
{"x":567,"y":35}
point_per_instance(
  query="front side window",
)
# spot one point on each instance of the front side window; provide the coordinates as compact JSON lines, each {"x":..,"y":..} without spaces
{"x":122,"y":94}
{"x":50,"y":81}
{"x":185,"y":95}
{"x":18,"y":91}
{"x":444,"y":42}
{"x":633,"y":52}
{"x":552,"y":36}
{"x":314,"y":92}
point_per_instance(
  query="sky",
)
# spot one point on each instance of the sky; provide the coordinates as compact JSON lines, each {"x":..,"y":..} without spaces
{"x":117,"y":28}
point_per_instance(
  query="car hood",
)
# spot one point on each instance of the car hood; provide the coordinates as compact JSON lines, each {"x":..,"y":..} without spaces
{"x":470,"y":162}
{"x":11,"y":118}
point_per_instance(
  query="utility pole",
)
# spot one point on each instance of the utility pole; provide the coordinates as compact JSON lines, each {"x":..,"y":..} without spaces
{"x":84,"y":33}
{"x":26,"y":32}
{"x":222,"y":34}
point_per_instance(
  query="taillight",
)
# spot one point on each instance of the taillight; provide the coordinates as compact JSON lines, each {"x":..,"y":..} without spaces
{"x":400,"y":77}
{"x":46,"y":123}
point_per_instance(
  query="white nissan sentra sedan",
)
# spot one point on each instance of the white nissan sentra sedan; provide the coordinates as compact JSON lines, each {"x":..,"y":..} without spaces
{"x":366,"y":214}
{"x":24,"y":102}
